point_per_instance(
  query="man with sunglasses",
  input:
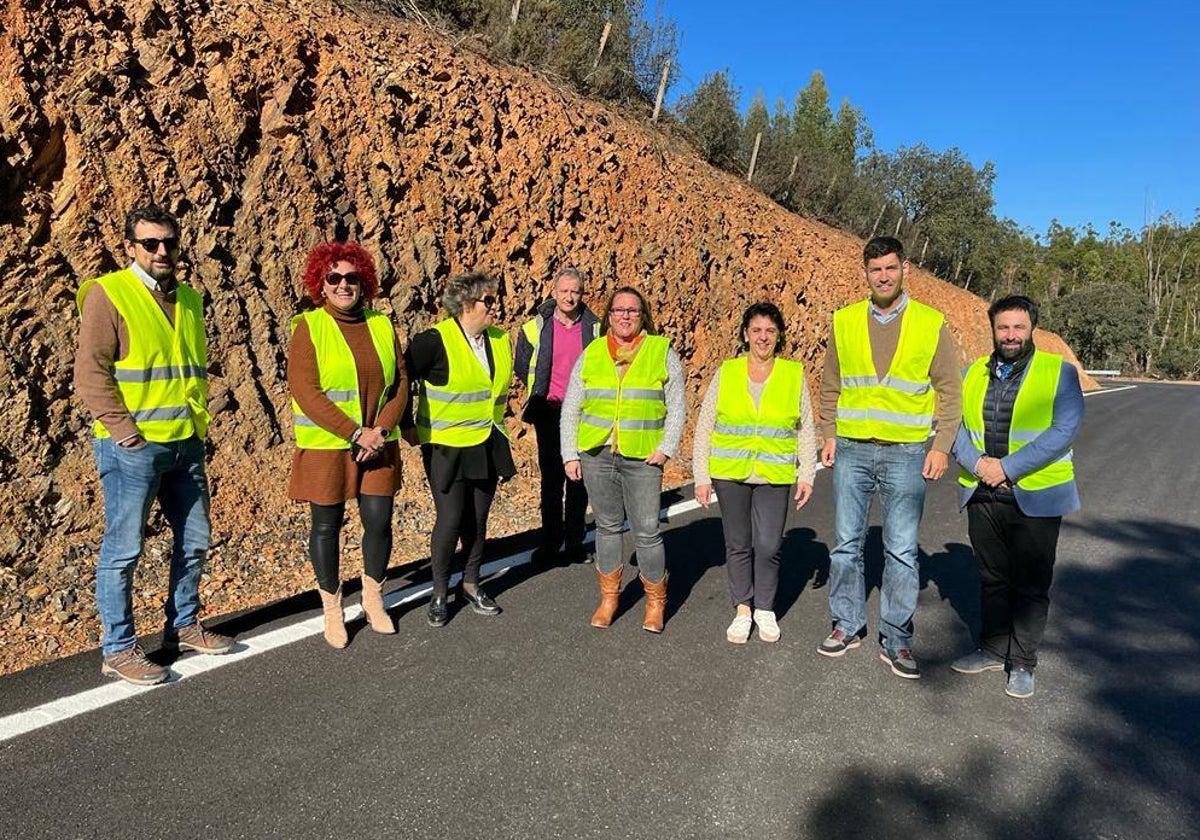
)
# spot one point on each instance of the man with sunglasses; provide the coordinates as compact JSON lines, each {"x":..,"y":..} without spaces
{"x":141,"y":370}
{"x":547,"y":348}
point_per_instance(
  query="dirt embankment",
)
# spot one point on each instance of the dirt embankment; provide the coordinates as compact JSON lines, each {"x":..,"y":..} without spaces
{"x":270,"y":126}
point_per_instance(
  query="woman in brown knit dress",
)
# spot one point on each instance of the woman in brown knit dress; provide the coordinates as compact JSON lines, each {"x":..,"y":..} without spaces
{"x":348,"y":391}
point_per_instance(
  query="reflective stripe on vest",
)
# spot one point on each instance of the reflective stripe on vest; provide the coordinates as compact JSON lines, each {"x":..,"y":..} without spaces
{"x":1033,"y":413}
{"x":163,"y":379}
{"x":631,"y":410}
{"x":339,"y":374}
{"x":899,"y":406}
{"x":758,"y":439}
{"x":463,"y":412}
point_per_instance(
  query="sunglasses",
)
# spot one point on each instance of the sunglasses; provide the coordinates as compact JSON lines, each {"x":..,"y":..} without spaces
{"x":488,"y":300}
{"x":151,"y":243}
{"x":352,"y":278}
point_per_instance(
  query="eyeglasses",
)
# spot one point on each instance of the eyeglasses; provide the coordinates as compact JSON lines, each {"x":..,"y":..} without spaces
{"x":487,"y":300}
{"x":151,"y":243}
{"x":352,"y":278}
{"x":625,"y":313}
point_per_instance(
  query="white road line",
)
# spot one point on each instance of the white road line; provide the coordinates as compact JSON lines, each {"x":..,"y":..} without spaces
{"x":1108,"y":390}
{"x":64,"y":708}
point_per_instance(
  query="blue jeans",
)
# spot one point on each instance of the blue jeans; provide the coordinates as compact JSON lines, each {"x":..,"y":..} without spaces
{"x":621,"y":487}
{"x":860,"y":469}
{"x":131,"y":479}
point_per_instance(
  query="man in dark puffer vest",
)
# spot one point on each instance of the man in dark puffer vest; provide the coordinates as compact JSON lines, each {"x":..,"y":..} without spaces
{"x":1022,"y":409}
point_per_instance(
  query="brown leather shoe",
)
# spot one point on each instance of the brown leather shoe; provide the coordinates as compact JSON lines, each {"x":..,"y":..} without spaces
{"x":197,"y":637}
{"x":610,"y":591}
{"x":656,"y":604}
{"x":335,"y":620}
{"x":372,"y":604}
{"x":132,"y":666}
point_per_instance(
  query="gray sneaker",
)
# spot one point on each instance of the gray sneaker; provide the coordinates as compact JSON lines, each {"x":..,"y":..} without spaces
{"x":902,"y":662}
{"x":1020,"y":683}
{"x":837,"y":643}
{"x":976,"y":662}
{"x":132,"y":666}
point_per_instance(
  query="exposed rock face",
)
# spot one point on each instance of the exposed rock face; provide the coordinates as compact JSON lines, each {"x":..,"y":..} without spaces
{"x":273,"y":125}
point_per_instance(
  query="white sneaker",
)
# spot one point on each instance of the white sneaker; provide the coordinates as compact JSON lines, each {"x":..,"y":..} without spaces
{"x":739,"y":629}
{"x":768,"y":629}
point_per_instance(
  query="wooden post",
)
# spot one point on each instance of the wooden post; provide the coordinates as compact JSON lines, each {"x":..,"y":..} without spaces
{"x":603,"y":41}
{"x":753,"y":158}
{"x":878,"y":219}
{"x":516,"y":10}
{"x":662,"y":88}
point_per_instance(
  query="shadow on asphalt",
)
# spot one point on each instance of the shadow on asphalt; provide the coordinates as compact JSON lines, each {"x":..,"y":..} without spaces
{"x":956,"y":576}
{"x":803,"y":559}
{"x":1129,"y":629}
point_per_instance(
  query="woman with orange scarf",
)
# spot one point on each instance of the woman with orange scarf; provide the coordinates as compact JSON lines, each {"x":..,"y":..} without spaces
{"x":622,"y":418}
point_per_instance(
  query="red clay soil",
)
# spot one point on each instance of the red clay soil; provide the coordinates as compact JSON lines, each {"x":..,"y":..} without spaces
{"x":271,"y":126}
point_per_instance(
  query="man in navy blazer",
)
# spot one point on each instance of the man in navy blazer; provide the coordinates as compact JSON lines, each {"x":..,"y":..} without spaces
{"x":1022,"y":409}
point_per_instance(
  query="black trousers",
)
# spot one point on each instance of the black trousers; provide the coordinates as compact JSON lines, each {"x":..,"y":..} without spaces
{"x":1016,"y":554}
{"x":562,"y":514}
{"x":753,"y":517}
{"x":461,"y":514}
{"x":323,"y":543}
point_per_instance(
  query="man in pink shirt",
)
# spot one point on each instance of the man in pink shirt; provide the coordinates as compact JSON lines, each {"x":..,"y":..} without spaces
{"x":547,"y":349}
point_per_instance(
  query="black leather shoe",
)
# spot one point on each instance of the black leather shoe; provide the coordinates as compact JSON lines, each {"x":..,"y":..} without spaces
{"x":481,"y":602}
{"x":438,"y":613}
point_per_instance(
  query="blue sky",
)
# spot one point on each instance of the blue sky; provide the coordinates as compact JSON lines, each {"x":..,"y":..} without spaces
{"x":1089,"y":111}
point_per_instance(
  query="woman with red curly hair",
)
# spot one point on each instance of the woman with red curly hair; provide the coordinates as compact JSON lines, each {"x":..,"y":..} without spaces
{"x":348,"y":391}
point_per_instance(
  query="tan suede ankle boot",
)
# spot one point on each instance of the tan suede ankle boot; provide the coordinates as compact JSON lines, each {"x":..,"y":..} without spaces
{"x":372,"y":604}
{"x":610,"y":591}
{"x":335,"y":620}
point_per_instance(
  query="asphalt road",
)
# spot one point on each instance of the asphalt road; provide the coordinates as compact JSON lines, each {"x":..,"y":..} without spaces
{"x":534,"y":725}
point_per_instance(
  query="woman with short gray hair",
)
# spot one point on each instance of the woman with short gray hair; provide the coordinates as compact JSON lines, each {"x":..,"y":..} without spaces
{"x":462,"y":367}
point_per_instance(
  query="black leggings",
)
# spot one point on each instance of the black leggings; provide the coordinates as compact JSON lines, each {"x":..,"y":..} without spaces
{"x":323,"y":547}
{"x":462,"y":513}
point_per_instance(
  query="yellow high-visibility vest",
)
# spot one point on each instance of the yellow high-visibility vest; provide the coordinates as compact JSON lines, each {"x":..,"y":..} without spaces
{"x":631,"y":409}
{"x":899,"y":407}
{"x":1033,"y":412}
{"x":464,"y":411}
{"x":339,"y":375}
{"x":761,"y":439}
{"x":163,"y":380}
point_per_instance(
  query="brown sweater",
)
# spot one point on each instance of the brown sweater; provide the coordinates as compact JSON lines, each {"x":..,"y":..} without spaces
{"x":327,"y":477}
{"x":103,"y":340}
{"x":944,"y":372}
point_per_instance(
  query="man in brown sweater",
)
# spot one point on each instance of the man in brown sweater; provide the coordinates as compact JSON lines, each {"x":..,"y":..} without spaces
{"x":141,"y":371}
{"x":891,"y":377}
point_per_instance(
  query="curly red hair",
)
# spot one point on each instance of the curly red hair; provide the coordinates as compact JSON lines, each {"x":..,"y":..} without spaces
{"x":324,"y":257}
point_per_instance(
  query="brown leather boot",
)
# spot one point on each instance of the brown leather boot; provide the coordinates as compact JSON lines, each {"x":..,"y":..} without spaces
{"x":335,"y":621}
{"x":372,"y":604}
{"x":656,"y":603}
{"x":610,"y":591}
